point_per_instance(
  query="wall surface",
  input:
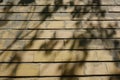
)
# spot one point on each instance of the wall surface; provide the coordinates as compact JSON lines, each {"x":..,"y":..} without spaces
{"x":59,"y":39}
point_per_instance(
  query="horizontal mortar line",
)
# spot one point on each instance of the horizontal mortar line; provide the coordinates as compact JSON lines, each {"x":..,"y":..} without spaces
{"x":58,"y":49}
{"x":64,"y":12}
{"x":56,"y":28}
{"x":68,"y":20}
{"x":49,"y":62}
{"x":51,"y":38}
{"x":68,"y":76}
{"x":66,"y":5}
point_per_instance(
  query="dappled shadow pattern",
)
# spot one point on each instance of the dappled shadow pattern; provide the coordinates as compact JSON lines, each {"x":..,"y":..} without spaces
{"x":78,"y":12}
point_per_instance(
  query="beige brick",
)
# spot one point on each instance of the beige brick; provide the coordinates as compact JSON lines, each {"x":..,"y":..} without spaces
{"x":28,"y":70}
{"x":54,"y":44}
{"x":25,"y":78}
{"x":47,"y":78}
{"x":47,"y":69}
{"x":44,"y":56}
{"x":7,"y":69}
{"x":64,"y":34}
{"x":20,"y":56}
{"x":27,"y":56}
{"x":62,"y":16}
{"x":92,"y":68}
{"x":56,"y":24}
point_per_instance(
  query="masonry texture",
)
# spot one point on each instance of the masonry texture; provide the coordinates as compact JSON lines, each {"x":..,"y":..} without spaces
{"x":56,"y":37}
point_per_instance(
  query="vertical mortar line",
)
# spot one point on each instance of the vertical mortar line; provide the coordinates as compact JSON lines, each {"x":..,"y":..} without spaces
{"x":105,"y":63}
{"x":36,"y":52}
{"x":55,"y":35}
{"x":100,"y":45}
{"x":96,"y":54}
{"x":85,"y":65}
{"x":64,"y":29}
{"x":46,"y":26}
{"x":104,"y":44}
{"x":81,"y":27}
{"x":64,"y":24}
{"x":116,"y":5}
{"x":111,"y":52}
{"x":85,"y":68}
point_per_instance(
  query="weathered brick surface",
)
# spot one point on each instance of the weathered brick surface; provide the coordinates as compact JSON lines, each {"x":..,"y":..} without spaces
{"x":56,"y":69}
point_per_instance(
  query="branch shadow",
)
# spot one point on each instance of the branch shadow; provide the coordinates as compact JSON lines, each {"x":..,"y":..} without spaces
{"x":79,"y":12}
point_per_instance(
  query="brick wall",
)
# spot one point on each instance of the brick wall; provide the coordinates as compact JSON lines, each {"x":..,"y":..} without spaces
{"x":46,"y":46}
